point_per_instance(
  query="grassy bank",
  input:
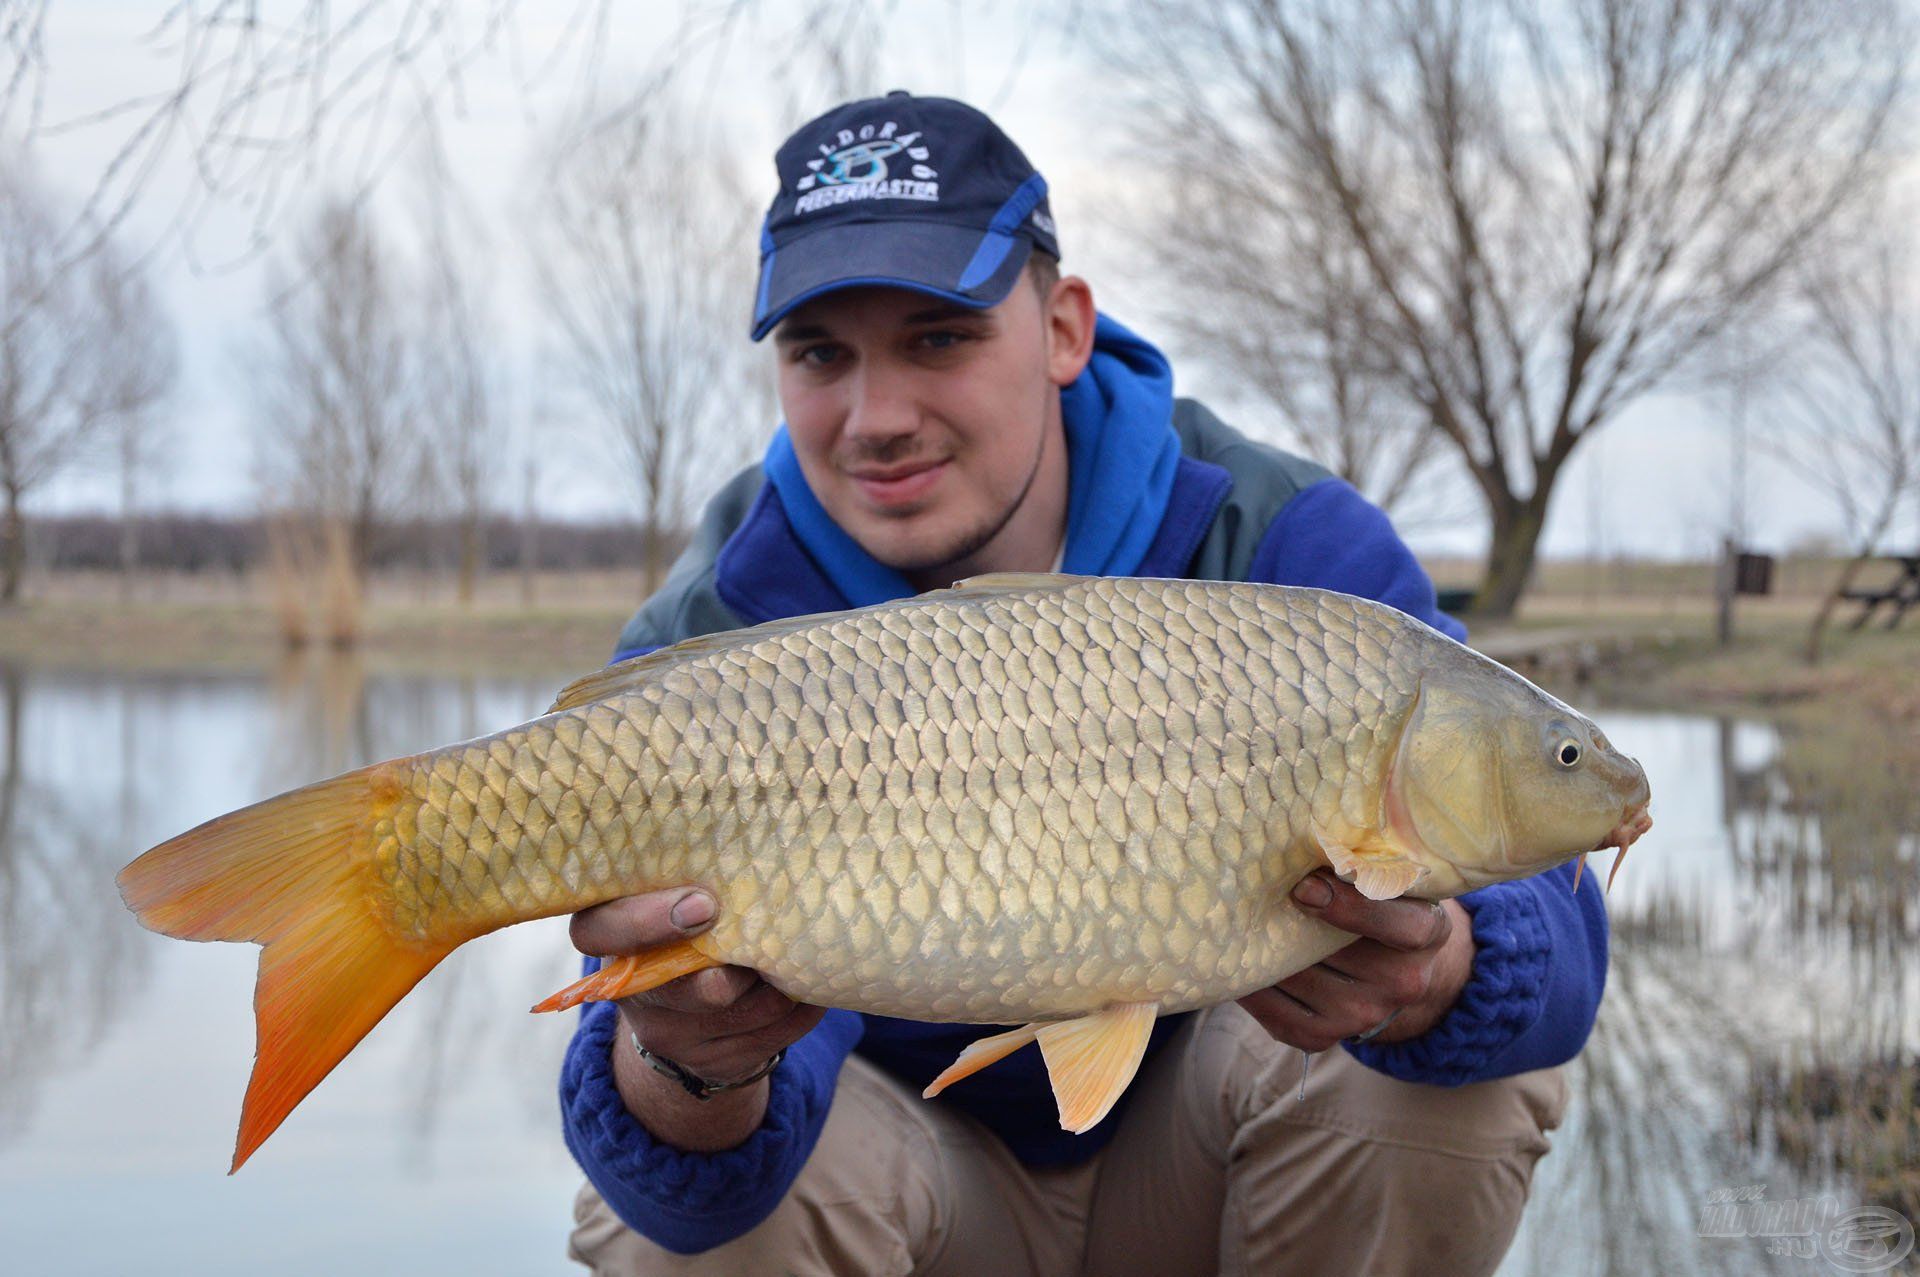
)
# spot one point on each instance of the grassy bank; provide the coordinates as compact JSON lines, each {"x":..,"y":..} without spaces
{"x":1874,"y":672}
{"x":1859,"y":1118}
{"x":407,"y":623}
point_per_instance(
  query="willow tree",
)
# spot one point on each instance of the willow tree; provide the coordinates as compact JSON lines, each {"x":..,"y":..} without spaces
{"x":1540,"y":213}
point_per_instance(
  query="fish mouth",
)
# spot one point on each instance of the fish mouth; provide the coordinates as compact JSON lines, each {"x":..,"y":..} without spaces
{"x":1632,"y":827}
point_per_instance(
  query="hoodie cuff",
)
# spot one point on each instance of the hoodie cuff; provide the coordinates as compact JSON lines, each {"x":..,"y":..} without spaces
{"x":1503,"y":998}
{"x":690,"y":1202}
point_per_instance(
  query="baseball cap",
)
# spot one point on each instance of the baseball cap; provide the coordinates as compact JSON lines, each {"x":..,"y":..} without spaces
{"x":905,"y":192}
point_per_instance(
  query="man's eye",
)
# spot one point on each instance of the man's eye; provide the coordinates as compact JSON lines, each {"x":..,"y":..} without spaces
{"x":941,"y":339}
{"x":819,"y":356}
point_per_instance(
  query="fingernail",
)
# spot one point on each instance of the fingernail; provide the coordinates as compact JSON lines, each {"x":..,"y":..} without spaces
{"x":692,"y":910}
{"x":1313,"y":892}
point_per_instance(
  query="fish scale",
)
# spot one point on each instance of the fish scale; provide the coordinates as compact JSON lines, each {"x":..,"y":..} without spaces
{"x":892,"y":838}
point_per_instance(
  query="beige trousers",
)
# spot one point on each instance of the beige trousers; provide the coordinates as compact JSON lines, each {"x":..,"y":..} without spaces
{"x":1219,"y":1166}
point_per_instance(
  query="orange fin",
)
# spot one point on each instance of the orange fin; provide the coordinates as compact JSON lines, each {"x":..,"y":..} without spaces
{"x":1379,"y":875}
{"x":978,"y":1055}
{"x":296,"y":875}
{"x":635,"y":973}
{"x":1091,"y":1060}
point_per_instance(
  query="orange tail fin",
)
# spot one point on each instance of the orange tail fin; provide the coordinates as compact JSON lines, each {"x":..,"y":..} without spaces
{"x":296,"y":875}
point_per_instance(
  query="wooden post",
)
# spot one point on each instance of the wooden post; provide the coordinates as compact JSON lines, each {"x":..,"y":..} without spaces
{"x":529,"y":537}
{"x":1723,"y":585}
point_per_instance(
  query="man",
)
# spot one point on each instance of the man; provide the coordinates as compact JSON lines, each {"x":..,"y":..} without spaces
{"x":954,"y":407}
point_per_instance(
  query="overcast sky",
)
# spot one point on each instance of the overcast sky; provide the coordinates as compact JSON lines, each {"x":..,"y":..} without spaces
{"x":1653,"y":483}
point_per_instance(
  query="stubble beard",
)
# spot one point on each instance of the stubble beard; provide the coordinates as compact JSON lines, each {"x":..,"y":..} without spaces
{"x":969,"y":544}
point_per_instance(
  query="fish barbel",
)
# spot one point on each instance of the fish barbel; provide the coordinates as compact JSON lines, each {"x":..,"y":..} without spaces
{"x":1077,"y":803}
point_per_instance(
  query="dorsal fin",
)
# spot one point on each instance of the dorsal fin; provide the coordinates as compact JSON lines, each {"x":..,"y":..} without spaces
{"x":626,"y":675}
{"x":615,"y":680}
{"x":1007,"y":582}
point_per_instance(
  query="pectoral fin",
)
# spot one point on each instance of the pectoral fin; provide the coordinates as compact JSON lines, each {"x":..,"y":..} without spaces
{"x":1387,"y":880}
{"x":1091,"y":1060}
{"x":1379,"y":875}
{"x":635,"y":973}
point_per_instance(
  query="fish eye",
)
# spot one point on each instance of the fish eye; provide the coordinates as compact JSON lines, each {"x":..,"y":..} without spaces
{"x":1567,"y":754}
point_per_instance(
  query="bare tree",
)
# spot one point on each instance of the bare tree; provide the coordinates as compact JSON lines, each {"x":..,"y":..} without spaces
{"x":460,"y":368}
{"x":259,"y":97}
{"x":1848,"y":417}
{"x":259,"y":101}
{"x":136,"y":383}
{"x":1556,"y":208}
{"x":1317,"y":368}
{"x":83,"y":349}
{"x":646,"y":268}
{"x":336,"y":388}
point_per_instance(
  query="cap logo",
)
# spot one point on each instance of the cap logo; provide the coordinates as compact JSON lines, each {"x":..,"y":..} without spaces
{"x":852,"y":165}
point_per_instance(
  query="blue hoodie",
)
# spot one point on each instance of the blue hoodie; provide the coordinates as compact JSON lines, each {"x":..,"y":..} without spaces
{"x":1158,"y":488}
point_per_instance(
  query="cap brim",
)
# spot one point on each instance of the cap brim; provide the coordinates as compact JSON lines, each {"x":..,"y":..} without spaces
{"x":926,"y":257}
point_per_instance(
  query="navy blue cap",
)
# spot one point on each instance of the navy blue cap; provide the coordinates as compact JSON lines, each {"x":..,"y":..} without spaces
{"x":905,"y":192}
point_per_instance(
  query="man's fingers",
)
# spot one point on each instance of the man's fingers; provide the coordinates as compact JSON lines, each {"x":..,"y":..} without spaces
{"x":723,"y":1043}
{"x":1287,"y":1019}
{"x":724,"y":1058}
{"x":709,"y":1005}
{"x":763,"y":1040}
{"x":1358,"y":995}
{"x":633,"y":923}
{"x":704,"y":992}
{"x":1397,"y":977}
{"x":1400,"y":924}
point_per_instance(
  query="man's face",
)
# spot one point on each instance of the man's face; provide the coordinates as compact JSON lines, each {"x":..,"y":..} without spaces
{"x":920,"y":425}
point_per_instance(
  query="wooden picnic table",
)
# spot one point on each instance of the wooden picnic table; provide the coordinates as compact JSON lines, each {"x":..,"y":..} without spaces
{"x":1903,"y":593}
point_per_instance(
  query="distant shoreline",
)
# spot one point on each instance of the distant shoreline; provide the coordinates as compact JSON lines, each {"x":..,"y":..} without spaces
{"x":407,"y":624}
{"x":1656,"y":639}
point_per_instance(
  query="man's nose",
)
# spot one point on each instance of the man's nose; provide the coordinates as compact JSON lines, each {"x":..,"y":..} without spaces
{"x":880,"y":406}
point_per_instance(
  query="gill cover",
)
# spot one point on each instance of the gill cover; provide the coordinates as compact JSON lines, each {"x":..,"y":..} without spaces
{"x":1446,"y":794}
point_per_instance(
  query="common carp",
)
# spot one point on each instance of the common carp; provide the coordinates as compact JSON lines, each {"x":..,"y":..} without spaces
{"x":1071,"y":803}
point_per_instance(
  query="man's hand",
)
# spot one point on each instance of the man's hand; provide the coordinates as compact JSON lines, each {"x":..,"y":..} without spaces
{"x":719,"y":1024}
{"x":1411,"y":961}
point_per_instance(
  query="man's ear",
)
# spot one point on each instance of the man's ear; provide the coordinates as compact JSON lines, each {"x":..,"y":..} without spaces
{"x":1069,"y":316}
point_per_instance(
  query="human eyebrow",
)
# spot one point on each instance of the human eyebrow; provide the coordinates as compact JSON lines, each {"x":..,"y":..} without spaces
{"x":946,"y":315}
{"x":799,"y":332}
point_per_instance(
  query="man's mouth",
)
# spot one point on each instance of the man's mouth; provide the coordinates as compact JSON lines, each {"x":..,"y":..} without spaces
{"x":899,"y":485}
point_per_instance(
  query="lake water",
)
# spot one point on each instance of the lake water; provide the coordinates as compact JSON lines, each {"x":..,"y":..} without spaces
{"x":1768,"y":920}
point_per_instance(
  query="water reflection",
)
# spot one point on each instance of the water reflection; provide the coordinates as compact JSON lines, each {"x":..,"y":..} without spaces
{"x":1827,"y":837}
{"x":67,"y":962}
{"x":1766,"y":934}
{"x":123,"y":1055}
{"x":1767,"y":924}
